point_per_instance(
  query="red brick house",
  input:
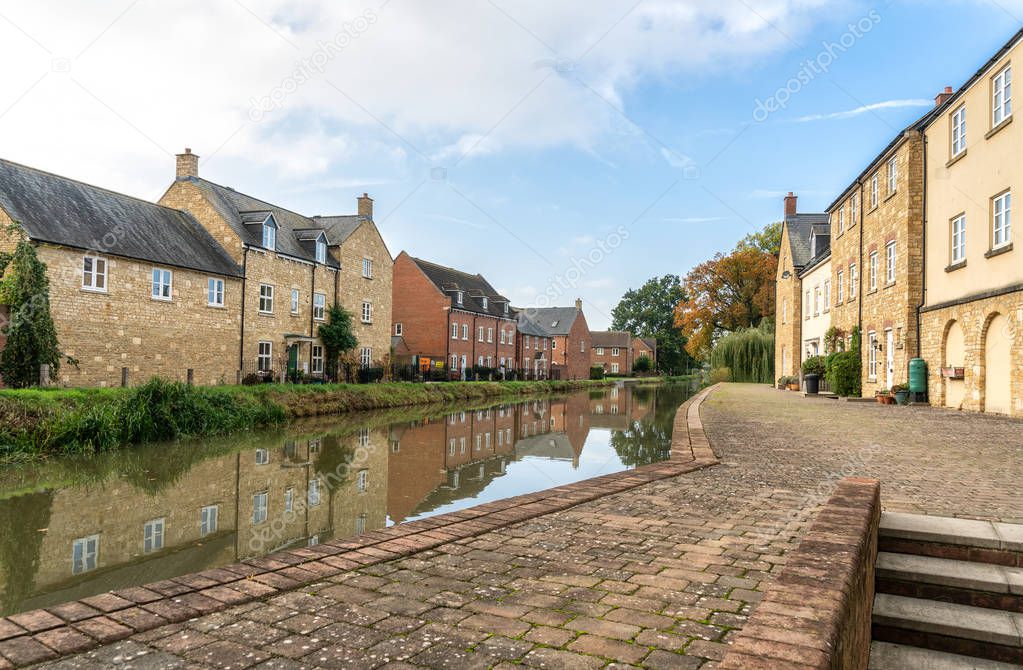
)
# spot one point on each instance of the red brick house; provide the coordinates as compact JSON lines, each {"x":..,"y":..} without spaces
{"x":449,"y":317}
{"x":612,"y":350}
{"x":645,"y":346}
{"x":569,"y":338}
{"x":534,"y":349}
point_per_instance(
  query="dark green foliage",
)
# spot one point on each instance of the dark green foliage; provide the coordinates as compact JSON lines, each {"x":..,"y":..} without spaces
{"x":815,"y":365}
{"x":843,"y":372}
{"x":767,"y":240}
{"x":748,"y":354}
{"x":31,"y":335}
{"x":649,"y":440}
{"x":337,"y":336}
{"x":22,"y":518}
{"x":649,"y":311}
{"x":642,"y":364}
{"x":597,"y":372}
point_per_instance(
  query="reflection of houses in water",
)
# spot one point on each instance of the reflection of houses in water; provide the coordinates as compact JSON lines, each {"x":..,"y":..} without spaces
{"x":620,"y":407}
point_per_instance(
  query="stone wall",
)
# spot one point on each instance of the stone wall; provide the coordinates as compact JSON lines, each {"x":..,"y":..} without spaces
{"x":354,"y":289}
{"x":845,"y":253}
{"x":789,"y":315}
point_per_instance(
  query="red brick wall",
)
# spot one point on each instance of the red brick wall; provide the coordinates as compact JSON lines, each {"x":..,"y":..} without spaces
{"x":577,"y":365}
{"x":420,"y":309}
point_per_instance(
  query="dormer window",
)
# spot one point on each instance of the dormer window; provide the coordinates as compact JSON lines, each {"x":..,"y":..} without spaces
{"x":321,"y":250}
{"x":506,"y":308}
{"x":460,"y":298}
{"x":484,"y":303}
{"x":270,"y":233}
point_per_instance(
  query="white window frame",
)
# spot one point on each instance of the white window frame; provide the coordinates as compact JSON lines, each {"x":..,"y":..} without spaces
{"x":1001,"y":220}
{"x":321,"y":251}
{"x":484,"y":302}
{"x":367,"y":268}
{"x":598,"y":351}
{"x":366,"y":356}
{"x":852,"y":208}
{"x":490,"y":334}
{"x":841,"y":286}
{"x":479,"y":333}
{"x":874,"y":190}
{"x":319,"y":306}
{"x":264,"y":355}
{"x":891,"y":255}
{"x":872,"y":356}
{"x":289,"y":499}
{"x":841,"y":220}
{"x":827,"y":295}
{"x":153,"y":535}
{"x":615,"y":351}
{"x":261,"y":456}
{"x":367,"y":311}
{"x":854,"y":279}
{"x":362,"y":476}
{"x":266,"y":299}
{"x":260,"y":506}
{"x":209,"y":519}
{"x":893,"y":175}
{"x":95,"y":278}
{"x":874,"y":260}
{"x":1001,"y":96}
{"x":214,"y":292}
{"x":397,"y":329}
{"x":958,"y":239}
{"x":582,"y":346}
{"x":958,"y":130}
{"x":317,"y":359}
{"x":270,"y":234}
{"x":87,"y":558}
{"x":460,"y":298}
{"x":162,"y":285}
{"x":313,"y":492}
{"x":614,"y":368}
{"x":465,"y":331}
{"x":816,"y":300}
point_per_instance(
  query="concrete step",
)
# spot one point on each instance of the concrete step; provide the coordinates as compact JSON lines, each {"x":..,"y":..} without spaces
{"x":947,"y":580}
{"x":958,"y":539}
{"x":887,"y":656}
{"x":958,"y":629}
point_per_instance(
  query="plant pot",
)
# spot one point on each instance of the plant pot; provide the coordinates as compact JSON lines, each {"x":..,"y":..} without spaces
{"x":793,"y":387}
{"x":813,"y":384}
{"x":902,"y":397}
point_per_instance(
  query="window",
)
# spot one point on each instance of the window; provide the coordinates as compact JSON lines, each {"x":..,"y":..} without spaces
{"x":454,"y":361}
{"x":893,"y":176}
{"x":367,"y":268}
{"x":959,"y":239}
{"x":614,"y":368}
{"x":853,"y":280}
{"x":161,"y":284}
{"x":873,"y":270}
{"x":289,"y":499}
{"x":460,"y":298}
{"x":502,"y":335}
{"x":362,"y":479}
{"x":525,"y":340}
{"x":479,"y":333}
{"x":873,"y":191}
{"x":785,"y":311}
{"x":465,"y":331}
{"x":366,"y":357}
{"x":615,"y":351}
{"x":262,"y":456}
{"x":841,"y":220}
{"x":367,"y":312}
{"x":152,"y":536}
{"x":259,"y":506}
{"x":208,"y":519}
{"x":94,"y":273}
{"x":599,"y":351}
{"x":360,"y":524}
{"x":266,"y":299}
{"x":890,"y":258}
{"x":397,"y":329}
{"x":454,"y":331}
{"x":1001,"y":92}
{"x":270,"y":234}
{"x":959,"y":130}
{"x":321,"y":251}
{"x":554,"y":344}
{"x":872,"y":358}
{"x":506,"y":308}
{"x":215,"y":292}
{"x":490,"y":334}
{"x":840,"y":282}
{"x":485,"y":302}
{"x":320,"y":307}
{"x":264,"y":356}
{"x":294,"y":301}
{"x":816,"y":300}
{"x":853,"y":204}
{"x":827,"y":295}
{"x":806,"y":305}
{"x":317,"y":359}
{"x":1002,"y":220}
{"x":314,"y":491}
{"x":582,"y":346}
{"x":84,"y":554}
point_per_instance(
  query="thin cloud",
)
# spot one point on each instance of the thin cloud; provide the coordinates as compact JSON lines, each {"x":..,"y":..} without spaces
{"x":864,"y":109}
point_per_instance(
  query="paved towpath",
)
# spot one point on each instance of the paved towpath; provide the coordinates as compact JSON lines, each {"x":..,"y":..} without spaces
{"x":659,"y":576}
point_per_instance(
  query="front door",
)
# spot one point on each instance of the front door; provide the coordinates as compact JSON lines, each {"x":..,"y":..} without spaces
{"x":292,"y":358}
{"x":890,"y":362}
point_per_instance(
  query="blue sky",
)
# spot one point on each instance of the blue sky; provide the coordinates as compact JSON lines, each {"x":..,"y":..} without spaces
{"x":515,"y":139}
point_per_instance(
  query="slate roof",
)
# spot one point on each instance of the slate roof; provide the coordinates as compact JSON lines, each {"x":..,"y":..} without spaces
{"x":650,"y":342}
{"x":339,"y":228}
{"x":473,"y":287}
{"x":610,"y":338}
{"x":74,"y":214}
{"x":800,"y":226}
{"x":246,"y":214}
{"x":552,"y":321}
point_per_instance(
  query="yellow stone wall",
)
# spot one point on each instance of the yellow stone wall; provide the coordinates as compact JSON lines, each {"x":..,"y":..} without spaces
{"x":789,"y":306}
{"x":365,"y":242}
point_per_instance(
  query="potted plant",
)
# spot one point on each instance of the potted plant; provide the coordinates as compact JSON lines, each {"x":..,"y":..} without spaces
{"x":814,"y":369}
{"x":901,"y":393}
{"x":884,"y":397}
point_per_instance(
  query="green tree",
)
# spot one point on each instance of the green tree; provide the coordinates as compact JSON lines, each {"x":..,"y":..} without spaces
{"x":337,"y":336}
{"x":649,"y":312}
{"x":31,"y":335}
{"x":767,"y":240}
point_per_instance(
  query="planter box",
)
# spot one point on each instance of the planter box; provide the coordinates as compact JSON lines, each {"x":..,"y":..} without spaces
{"x":953,"y":373}
{"x":793,"y":387}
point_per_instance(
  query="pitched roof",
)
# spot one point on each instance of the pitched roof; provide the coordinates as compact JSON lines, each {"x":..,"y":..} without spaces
{"x":649,"y":341}
{"x":474,"y":289}
{"x":550,"y":320}
{"x":800,"y":227}
{"x":610,"y":338}
{"x":71,"y":213}
{"x":339,"y":228}
{"x":246,"y":214}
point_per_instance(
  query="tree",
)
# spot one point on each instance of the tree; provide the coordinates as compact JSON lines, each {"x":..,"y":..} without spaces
{"x":642,"y":364}
{"x":748,"y":354}
{"x":31,"y":335}
{"x":649,"y":312}
{"x":725,"y":294}
{"x":337,"y":336}
{"x":767,"y":240}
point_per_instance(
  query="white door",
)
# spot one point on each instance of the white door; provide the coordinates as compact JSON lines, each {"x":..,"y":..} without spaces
{"x":890,"y":355}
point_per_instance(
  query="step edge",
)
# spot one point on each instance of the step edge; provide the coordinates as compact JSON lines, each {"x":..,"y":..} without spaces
{"x":923,"y":653}
{"x":978,"y":634}
{"x":1000,"y":585}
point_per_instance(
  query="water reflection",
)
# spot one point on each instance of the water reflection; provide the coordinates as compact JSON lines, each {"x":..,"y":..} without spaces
{"x":78,"y":527}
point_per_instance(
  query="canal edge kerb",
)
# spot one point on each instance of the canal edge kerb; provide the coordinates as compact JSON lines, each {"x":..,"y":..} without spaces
{"x":77,"y":626}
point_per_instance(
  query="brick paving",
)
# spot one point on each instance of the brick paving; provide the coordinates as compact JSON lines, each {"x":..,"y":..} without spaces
{"x":660,"y":574}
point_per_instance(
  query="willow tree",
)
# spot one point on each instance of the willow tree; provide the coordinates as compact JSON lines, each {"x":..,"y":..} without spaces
{"x":31,"y":335}
{"x":747,"y":353}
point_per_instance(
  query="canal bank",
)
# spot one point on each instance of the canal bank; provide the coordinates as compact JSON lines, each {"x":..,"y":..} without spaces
{"x":70,"y":421}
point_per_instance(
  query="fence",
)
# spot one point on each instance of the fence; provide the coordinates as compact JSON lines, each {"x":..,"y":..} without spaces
{"x":280,"y":373}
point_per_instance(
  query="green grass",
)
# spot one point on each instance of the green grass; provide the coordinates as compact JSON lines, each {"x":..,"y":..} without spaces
{"x":40,"y":422}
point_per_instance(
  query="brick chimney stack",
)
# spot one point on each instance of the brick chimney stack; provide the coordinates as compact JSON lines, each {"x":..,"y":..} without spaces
{"x":366,"y":206}
{"x":188,"y":164}
{"x":790,"y":204}
{"x":578,"y":304}
{"x":940,"y":99}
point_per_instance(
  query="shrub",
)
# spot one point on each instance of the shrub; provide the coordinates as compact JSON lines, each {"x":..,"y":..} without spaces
{"x":597,"y":372}
{"x":843,"y":373}
{"x":719,"y":375}
{"x":642,"y":364}
{"x":815,"y":365}
{"x":370,"y":375}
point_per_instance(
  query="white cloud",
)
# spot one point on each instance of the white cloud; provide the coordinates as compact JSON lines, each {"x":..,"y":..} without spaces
{"x":864,"y":109}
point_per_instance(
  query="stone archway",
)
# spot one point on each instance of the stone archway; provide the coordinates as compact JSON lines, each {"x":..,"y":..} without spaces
{"x":954,"y":356}
{"x":996,"y":377}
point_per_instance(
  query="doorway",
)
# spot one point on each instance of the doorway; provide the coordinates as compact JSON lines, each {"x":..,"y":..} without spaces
{"x":889,"y":358}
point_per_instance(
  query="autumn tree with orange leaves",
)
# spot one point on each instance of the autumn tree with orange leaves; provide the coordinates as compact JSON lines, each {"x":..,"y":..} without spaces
{"x":726,"y":294}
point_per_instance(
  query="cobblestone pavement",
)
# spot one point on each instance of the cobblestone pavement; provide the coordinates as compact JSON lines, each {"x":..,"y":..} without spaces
{"x":658,"y":577}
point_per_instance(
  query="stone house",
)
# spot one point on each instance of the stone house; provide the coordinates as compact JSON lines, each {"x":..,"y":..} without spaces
{"x":131,"y":282}
{"x":611,"y":350}
{"x":294,"y":267}
{"x":446,"y":315}
{"x":815,"y":279}
{"x":569,"y":335}
{"x":973,"y":279}
{"x":645,"y":347}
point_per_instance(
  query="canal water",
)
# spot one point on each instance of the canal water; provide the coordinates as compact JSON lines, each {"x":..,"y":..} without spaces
{"x":76,"y":527}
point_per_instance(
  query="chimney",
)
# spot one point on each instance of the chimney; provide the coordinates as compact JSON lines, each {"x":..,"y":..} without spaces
{"x":578,"y":304}
{"x":188,"y":164}
{"x":366,"y":206}
{"x":790,"y":204}
{"x":940,"y":99}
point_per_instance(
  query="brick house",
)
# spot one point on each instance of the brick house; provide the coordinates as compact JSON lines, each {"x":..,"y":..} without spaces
{"x":131,"y":282}
{"x":611,"y":350}
{"x":569,"y":336}
{"x":446,"y":315}
{"x":294,"y":268}
{"x":645,"y":347}
{"x":534,"y":348}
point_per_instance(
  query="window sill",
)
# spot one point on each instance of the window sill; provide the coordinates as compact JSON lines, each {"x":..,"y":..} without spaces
{"x":991,"y":133}
{"x":956,"y":266}
{"x":262,"y":313}
{"x":891,"y":195}
{"x":1004,"y":249}
{"x":155,"y":299}
{"x":955,"y":159}
{"x":101,"y":291}
{"x":216,"y":306}
{"x":889,"y":285}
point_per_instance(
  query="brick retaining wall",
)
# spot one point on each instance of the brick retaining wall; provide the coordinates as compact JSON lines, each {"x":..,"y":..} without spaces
{"x":816,"y":614}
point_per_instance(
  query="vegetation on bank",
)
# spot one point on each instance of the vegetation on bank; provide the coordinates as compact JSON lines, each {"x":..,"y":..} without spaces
{"x":745,"y":356}
{"x":70,"y":421}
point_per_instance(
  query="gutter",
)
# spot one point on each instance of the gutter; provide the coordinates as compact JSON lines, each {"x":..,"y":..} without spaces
{"x":241,"y":343}
{"x":923,"y":246}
